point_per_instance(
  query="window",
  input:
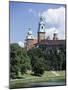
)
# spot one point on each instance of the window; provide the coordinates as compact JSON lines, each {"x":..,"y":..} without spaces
{"x":42,"y":27}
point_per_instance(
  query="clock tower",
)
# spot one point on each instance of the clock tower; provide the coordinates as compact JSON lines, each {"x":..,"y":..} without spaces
{"x":41,"y":29}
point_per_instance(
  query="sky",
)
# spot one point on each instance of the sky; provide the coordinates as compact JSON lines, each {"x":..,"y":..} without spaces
{"x":26,"y":15}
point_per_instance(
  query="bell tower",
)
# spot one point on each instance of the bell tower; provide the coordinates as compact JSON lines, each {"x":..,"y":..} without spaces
{"x":41,"y":29}
{"x":29,"y":39}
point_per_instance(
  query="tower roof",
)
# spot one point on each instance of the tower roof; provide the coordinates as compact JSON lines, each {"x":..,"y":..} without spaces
{"x":29,"y":34}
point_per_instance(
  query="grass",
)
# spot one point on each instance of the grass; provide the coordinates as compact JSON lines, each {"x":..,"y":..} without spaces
{"x":27,"y":79}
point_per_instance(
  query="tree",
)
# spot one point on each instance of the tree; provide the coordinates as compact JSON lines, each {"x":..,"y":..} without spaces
{"x":37,"y":61}
{"x":54,"y":57}
{"x":19,"y":60}
{"x":38,"y":67}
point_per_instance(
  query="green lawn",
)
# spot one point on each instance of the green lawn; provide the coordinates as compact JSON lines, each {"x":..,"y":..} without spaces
{"x":27,"y":79}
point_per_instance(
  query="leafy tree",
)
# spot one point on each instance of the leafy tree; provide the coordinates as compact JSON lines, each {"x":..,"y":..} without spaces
{"x":19,"y":60}
{"x":38,"y":67}
{"x":37,"y":60}
{"x":54,"y":57}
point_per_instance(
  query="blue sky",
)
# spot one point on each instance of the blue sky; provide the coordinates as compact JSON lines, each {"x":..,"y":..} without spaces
{"x":26,"y":15}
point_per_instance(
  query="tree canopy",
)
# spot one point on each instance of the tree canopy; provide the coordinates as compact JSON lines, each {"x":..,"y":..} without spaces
{"x":37,"y":60}
{"x":19,"y":61}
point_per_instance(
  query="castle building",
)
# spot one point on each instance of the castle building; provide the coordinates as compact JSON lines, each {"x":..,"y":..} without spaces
{"x":42,"y":40}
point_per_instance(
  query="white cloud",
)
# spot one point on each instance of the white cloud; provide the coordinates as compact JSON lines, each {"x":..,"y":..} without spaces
{"x":21,"y":44}
{"x":55,"y":16}
{"x":56,"y":19}
{"x":51,"y":31}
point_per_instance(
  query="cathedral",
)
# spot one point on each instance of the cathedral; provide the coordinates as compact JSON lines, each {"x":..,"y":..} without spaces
{"x":42,"y":40}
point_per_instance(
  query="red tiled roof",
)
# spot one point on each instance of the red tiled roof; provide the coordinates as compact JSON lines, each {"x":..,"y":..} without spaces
{"x":52,"y":42}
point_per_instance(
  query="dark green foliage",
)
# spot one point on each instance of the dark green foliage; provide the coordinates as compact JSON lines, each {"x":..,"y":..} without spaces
{"x":38,"y":66}
{"x":37,"y":61}
{"x":19,"y":61}
{"x":54,"y":57}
